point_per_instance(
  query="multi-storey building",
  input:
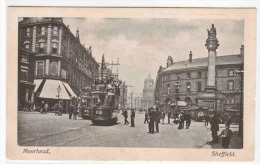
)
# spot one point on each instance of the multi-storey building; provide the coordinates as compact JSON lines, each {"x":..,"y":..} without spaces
{"x":26,"y":62}
{"x":148,"y":93}
{"x":61,"y":61}
{"x":210,"y":84}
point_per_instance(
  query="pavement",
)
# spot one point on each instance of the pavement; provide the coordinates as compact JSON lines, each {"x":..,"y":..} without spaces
{"x":36,"y":129}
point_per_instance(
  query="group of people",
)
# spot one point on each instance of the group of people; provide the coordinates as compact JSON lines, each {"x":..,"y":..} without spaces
{"x":125,"y":114}
{"x":182,"y":117}
{"x":73,"y":109}
{"x":153,"y":118}
{"x":226,"y":133}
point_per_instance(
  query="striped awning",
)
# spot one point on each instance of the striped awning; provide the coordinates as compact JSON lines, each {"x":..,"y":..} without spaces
{"x":50,"y":90}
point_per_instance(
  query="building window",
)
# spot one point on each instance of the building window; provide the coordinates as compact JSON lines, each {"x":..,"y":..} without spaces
{"x":43,"y":30}
{"x":28,"y":32}
{"x":230,"y":101}
{"x":230,"y":85}
{"x":54,"y":48}
{"x":188,"y":75}
{"x":41,"y":48}
{"x":199,"y":86}
{"x":55,"y":30}
{"x":188,"y":87}
{"x":27,"y":46}
{"x":199,"y":75}
{"x":178,"y":76}
{"x":231,"y":73}
{"x":24,"y":75}
{"x":24,"y":58}
{"x":40,"y":68}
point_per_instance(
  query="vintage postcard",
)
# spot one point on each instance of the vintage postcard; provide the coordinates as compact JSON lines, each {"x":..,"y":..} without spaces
{"x":131,"y":84}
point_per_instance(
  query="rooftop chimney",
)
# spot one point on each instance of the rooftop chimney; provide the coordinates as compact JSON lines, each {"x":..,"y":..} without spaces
{"x":77,"y":34}
{"x":190,"y":57}
{"x":90,"y":50}
{"x":242,"y":50}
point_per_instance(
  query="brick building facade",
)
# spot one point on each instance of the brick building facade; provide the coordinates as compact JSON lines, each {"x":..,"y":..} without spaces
{"x":188,"y":81}
{"x":60,"y":58}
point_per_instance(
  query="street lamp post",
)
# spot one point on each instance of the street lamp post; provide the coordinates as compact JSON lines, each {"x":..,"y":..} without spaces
{"x":177,"y":85}
{"x":241,"y":122}
{"x":59,"y":89}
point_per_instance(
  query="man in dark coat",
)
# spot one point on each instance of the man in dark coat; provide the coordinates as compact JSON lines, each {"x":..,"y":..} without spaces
{"x":157,"y":119}
{"x":146,"y":118}
{"x":206,"y":121}
{"x":215,"y":127}
{"x":132,"y":118}
{"x":125,"y":114}
{"x":163,"y":117}
{"x":152,"y":120}
{"x":71,"y":107}
{"x":188,"y":120}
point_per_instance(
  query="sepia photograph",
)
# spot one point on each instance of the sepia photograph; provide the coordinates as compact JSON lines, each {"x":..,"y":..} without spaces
{"x":172,"y":83}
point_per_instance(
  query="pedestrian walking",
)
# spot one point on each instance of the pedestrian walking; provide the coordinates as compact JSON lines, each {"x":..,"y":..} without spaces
{"x":206,"y":121}
{"x":46,"y":108}
{"x":71,"y":107}
{"x":75,"y":112}
{"x":215,"y":128}
{"x":146,"y":117}
{"x":181,"y":120}
{"x":188,"y":120}
{"x":56,"y":109}
{"x":152,"y":120}
{"x":226,"y":135}
{"x":169,"y":117}
{"x":157,"y":121}
{"x":42,"y":107}
{"x":163,"y":117}
{"x":125,"y":114}
{"x":132,"y":118}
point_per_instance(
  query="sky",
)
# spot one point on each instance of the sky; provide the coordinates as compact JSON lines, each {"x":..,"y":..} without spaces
{"x":142,"y":45}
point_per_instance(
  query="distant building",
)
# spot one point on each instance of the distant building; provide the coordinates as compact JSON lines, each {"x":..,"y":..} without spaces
{"x":210,"y":84}
{"x":26,"y":65}
{"x":148,"y":93}
{"x":60,"y":59}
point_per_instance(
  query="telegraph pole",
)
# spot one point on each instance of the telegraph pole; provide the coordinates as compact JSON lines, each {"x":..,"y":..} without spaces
{"x":104,"y":65}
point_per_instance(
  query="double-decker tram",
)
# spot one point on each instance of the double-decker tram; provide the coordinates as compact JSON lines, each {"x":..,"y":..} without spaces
{"x":105,"y":99}
{"x":86,"y":100}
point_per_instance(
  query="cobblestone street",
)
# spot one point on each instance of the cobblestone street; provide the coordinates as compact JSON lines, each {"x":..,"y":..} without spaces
{"x":35,"y":129}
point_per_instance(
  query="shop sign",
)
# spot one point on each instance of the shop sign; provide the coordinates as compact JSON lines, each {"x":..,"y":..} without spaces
{"x":230,"y":91}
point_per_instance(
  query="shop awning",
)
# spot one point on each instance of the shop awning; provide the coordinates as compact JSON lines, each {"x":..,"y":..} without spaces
{"x":37,"y":83}
{"x":50,"y":91}
{"x":67,"y":86}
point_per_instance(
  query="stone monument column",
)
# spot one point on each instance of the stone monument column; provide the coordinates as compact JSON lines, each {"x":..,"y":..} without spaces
{"x":212,"y":45}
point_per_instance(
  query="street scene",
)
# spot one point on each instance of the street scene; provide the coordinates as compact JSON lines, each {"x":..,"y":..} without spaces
{"x":164,"y":83}
{"x":60,"y":131}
